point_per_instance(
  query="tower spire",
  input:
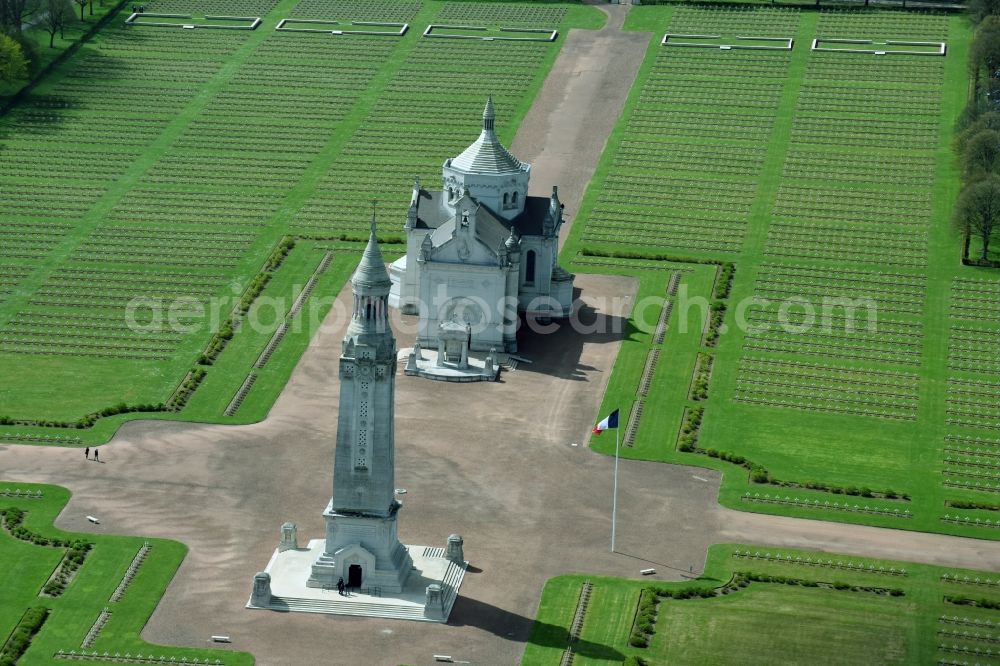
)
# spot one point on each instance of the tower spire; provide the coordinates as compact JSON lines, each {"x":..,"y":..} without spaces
{"x":371,"y":277}
{"x":489,"y":115}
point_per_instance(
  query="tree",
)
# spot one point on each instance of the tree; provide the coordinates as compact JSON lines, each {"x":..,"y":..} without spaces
{"x":57,"y":14}
{"x":984,"y":52}
{"x":981,"y":156}
{"x":13,"y":64}
{"x":14,"y":13}
{"x":980,"y":9}
{"x":978,"y":210}
{"x":984,"y":121}
{"x":82,"y":4}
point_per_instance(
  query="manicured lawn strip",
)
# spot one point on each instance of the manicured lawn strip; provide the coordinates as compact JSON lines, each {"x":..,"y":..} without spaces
{"x":26,"y":569}
{"x":74,"y":612}
{"x":273,"y":376}
{"x":178,"y":194}
{"x":602,"y":631}
{"x":658,"y":427}
{"x":769,"y":622}
{"x":795,"y":626}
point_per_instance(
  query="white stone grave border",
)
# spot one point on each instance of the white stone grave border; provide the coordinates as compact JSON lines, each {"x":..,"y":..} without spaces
{"x":133,"y":20}
{"x":403,"y":27}
{"x":786,"y":42}
{"x":942,"y":47}
{"x":429,"y":32}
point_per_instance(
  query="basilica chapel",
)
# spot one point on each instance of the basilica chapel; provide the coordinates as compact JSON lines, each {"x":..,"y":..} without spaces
{"x":481,"y":251}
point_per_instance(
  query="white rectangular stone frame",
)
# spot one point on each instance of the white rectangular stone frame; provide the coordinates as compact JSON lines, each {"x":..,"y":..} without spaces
{"x":403,"y":27}
{"x":942,"y":47}
{"x":787,"y":42}
{"x":133,"y":20}
{"x":429,"y":32}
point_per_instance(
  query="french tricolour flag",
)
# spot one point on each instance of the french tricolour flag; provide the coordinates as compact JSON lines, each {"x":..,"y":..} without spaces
{"x":609,"y":423}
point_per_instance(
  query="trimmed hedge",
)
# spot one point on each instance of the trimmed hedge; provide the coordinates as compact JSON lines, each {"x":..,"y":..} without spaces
{"x":966,"y":504}
{"x":724,"y":282}
{"x":703,"y":373}
{"x":717,"y":314}
{"x":651,"y":256}
{"x":645,"y":619}
{"x":982,"y":602}
{"x":20,"y":638}
{"x":689,"y":429}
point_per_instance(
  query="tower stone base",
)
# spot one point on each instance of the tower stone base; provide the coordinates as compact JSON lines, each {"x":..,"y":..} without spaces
{"x":363,"y":551}
{"x":284,"y":586}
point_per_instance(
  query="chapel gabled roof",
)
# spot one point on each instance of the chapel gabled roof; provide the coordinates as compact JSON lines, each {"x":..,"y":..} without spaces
{"x":491,"y":231}
{"x":434,"y":212}
{"x":487,"y":154}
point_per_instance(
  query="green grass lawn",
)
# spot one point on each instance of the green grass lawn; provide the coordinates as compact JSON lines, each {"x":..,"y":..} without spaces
{"x":793,"y":626}
{"x":769,"y":622}
{"x":25,"y":568}
{"x":820,"y":176}
{"x":161,"y":164}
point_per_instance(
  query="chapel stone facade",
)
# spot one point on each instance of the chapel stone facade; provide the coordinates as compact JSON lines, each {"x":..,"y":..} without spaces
{"x":481,"y":251}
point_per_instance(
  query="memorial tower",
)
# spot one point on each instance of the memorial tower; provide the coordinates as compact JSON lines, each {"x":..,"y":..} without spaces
{"x":361,"y":542}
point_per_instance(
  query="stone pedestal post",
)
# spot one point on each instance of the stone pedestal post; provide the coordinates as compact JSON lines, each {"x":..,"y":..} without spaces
{"x":261,"y":595}
{"x":434,"y":606}
{"x":456,"y":551}
{"x":289,"y":538}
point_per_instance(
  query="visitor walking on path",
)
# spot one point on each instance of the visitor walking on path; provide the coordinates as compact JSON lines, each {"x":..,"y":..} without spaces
{"x":96,"y":456}
{"x":86,"y":453}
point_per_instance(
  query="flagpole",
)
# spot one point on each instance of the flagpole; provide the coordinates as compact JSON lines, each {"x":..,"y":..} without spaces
{"x":614,"y":500}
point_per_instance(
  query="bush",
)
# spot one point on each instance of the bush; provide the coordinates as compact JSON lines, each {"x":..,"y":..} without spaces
{"x":689,"y":429}
{"x":718,"y":313}
{"x":703,"y":369}
{"x":649,"y":256}
{"x":639,"y":641}
{"x":629,"y":661}
{"x":20,"y":639}
{"x":724,"y":283}
{"x":966,"y":504}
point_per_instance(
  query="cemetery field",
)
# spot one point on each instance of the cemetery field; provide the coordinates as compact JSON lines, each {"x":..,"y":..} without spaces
{"x":849,"y":371}
{"x":758,"y":605}
{"x":182,"y":205}
{"x":125,"y":576}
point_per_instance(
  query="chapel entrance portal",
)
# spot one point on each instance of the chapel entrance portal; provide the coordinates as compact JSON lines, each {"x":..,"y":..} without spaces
{"x":354,"y":576}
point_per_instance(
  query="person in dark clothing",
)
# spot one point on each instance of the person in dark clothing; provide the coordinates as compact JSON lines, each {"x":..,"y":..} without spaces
{"x":86,"y":453}
{"x":340,"y":587}
{"x":96,"y":456}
